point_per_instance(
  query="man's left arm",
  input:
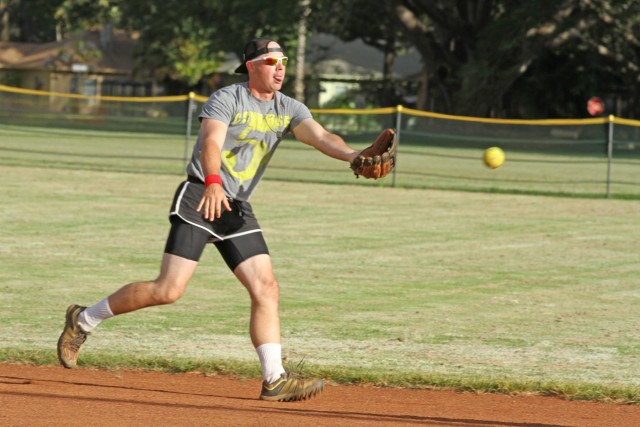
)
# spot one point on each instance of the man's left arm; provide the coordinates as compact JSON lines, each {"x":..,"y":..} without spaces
{"x":312,"y":133}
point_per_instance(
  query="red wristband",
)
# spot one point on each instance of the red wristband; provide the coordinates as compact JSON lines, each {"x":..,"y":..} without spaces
{"x":212,"y":179}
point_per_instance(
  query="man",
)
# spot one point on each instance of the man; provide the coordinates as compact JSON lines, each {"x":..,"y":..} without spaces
{"x":241,"y":126}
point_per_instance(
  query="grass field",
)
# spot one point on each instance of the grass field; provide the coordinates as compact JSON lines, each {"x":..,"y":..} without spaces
{"x":396,"y":286}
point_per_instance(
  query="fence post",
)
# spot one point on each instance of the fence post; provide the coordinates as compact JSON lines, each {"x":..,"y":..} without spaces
{"x":609,"y":154}
{"x":190,"y":108}
{"x":398,"y":126}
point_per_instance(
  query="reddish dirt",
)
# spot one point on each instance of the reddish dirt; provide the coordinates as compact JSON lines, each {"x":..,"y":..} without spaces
{"x":45,"y":396}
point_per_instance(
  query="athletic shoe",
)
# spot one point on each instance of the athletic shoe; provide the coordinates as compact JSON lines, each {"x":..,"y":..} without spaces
{"x":72,"y":337}
{"x":289,"y":388}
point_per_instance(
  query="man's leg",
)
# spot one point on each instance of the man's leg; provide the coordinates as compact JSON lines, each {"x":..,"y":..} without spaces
{"x":175,"y":273}
{"x":256,"y":274}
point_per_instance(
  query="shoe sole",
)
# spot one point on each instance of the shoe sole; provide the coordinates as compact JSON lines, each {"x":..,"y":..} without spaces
{"x":62,"y":361}
{"x":67,"y":322}
{"x":292,"y":397}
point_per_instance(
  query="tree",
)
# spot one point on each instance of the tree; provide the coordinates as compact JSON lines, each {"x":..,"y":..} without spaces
{"x":186,"y":40}
{"x":29,"y":21}
{"x":357,"y":19}
{"x":532,"y":58}
{"x":74,"y":15}
{"x":594,"y":51}
{"x":180,"y":40}
{"x":480,"y":55}
{"x":467,"y":49}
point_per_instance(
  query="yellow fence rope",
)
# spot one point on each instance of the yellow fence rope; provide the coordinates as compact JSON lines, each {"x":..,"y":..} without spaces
{"x":103,"y":98}
{"x":346,"y":111}
{"x":592,"y":121}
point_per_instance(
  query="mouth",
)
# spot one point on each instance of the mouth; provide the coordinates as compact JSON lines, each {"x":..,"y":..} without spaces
{"x":278,"y":79}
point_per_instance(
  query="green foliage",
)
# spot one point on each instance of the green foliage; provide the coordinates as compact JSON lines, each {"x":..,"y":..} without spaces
{"x":488,"y":58}
{"x":188,"y":55}
{"x":186,"y":39}
{"x":529,"y":59}
{"x":76,"y":15}
{"x":592,"y":50}
{"x":30,"y":21}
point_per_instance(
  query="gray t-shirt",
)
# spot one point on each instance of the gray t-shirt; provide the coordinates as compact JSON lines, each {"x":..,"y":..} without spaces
{"x":255,"y":130}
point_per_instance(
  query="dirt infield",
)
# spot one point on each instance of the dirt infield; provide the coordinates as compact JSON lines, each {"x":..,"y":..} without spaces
{"x":45,"y":396}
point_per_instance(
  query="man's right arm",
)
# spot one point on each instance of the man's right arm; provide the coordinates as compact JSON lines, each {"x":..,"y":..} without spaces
{"x":213,"y":133}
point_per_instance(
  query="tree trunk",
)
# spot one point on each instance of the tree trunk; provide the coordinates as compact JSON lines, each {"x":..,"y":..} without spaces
{"x":4,"y":21}
{"x":389,"y":58}
{"x":423,"y":90}
{"x":300,"y":54}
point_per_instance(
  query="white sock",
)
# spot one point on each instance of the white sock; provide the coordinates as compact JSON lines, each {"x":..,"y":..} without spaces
{"x":94,"y":315}
{"x":271,"y":361}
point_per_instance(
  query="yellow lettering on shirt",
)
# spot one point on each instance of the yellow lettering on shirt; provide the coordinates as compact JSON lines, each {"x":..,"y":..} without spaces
{"x":256,"y":123}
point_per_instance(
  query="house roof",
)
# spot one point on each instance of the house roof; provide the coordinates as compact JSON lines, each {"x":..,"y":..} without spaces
{"x":102,"y":53}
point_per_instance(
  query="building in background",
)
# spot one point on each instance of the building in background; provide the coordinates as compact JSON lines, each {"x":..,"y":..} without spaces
{"x":345,"y":74}
{"x":94,"y":62}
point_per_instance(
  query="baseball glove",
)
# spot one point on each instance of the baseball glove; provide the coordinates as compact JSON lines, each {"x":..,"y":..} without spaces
{"x":377,"y":160}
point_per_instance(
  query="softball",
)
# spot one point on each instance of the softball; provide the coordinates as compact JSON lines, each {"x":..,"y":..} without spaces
{"x":493,"y":157}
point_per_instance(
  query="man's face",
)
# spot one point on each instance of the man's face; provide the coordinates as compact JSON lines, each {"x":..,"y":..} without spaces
{"x":265,"y":77}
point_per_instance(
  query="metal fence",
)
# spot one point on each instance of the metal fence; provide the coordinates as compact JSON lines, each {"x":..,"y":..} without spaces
{"x":597,"y":157}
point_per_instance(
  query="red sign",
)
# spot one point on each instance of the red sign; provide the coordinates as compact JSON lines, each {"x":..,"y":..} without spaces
{"x":595,"y":106}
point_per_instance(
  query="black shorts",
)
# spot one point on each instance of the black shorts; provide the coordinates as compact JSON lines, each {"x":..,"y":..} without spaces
{"x":236,"y":234}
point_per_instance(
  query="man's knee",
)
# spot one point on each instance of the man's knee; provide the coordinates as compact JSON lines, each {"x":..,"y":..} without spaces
{"x":167,"y":293}
{"x":267,"y":290}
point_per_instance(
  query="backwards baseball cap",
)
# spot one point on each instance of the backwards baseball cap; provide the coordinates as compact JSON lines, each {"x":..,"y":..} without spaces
{"x":253,"y":49}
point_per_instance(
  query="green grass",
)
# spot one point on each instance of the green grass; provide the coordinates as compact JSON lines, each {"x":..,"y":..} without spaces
{"x":479,"y":290}
{"x":390,"y":286}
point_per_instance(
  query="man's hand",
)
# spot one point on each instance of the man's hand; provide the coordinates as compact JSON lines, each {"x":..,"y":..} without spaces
{"x":212,"y":202}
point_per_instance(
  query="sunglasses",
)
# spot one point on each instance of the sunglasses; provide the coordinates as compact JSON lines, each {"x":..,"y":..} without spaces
{"x":273,"y":60}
